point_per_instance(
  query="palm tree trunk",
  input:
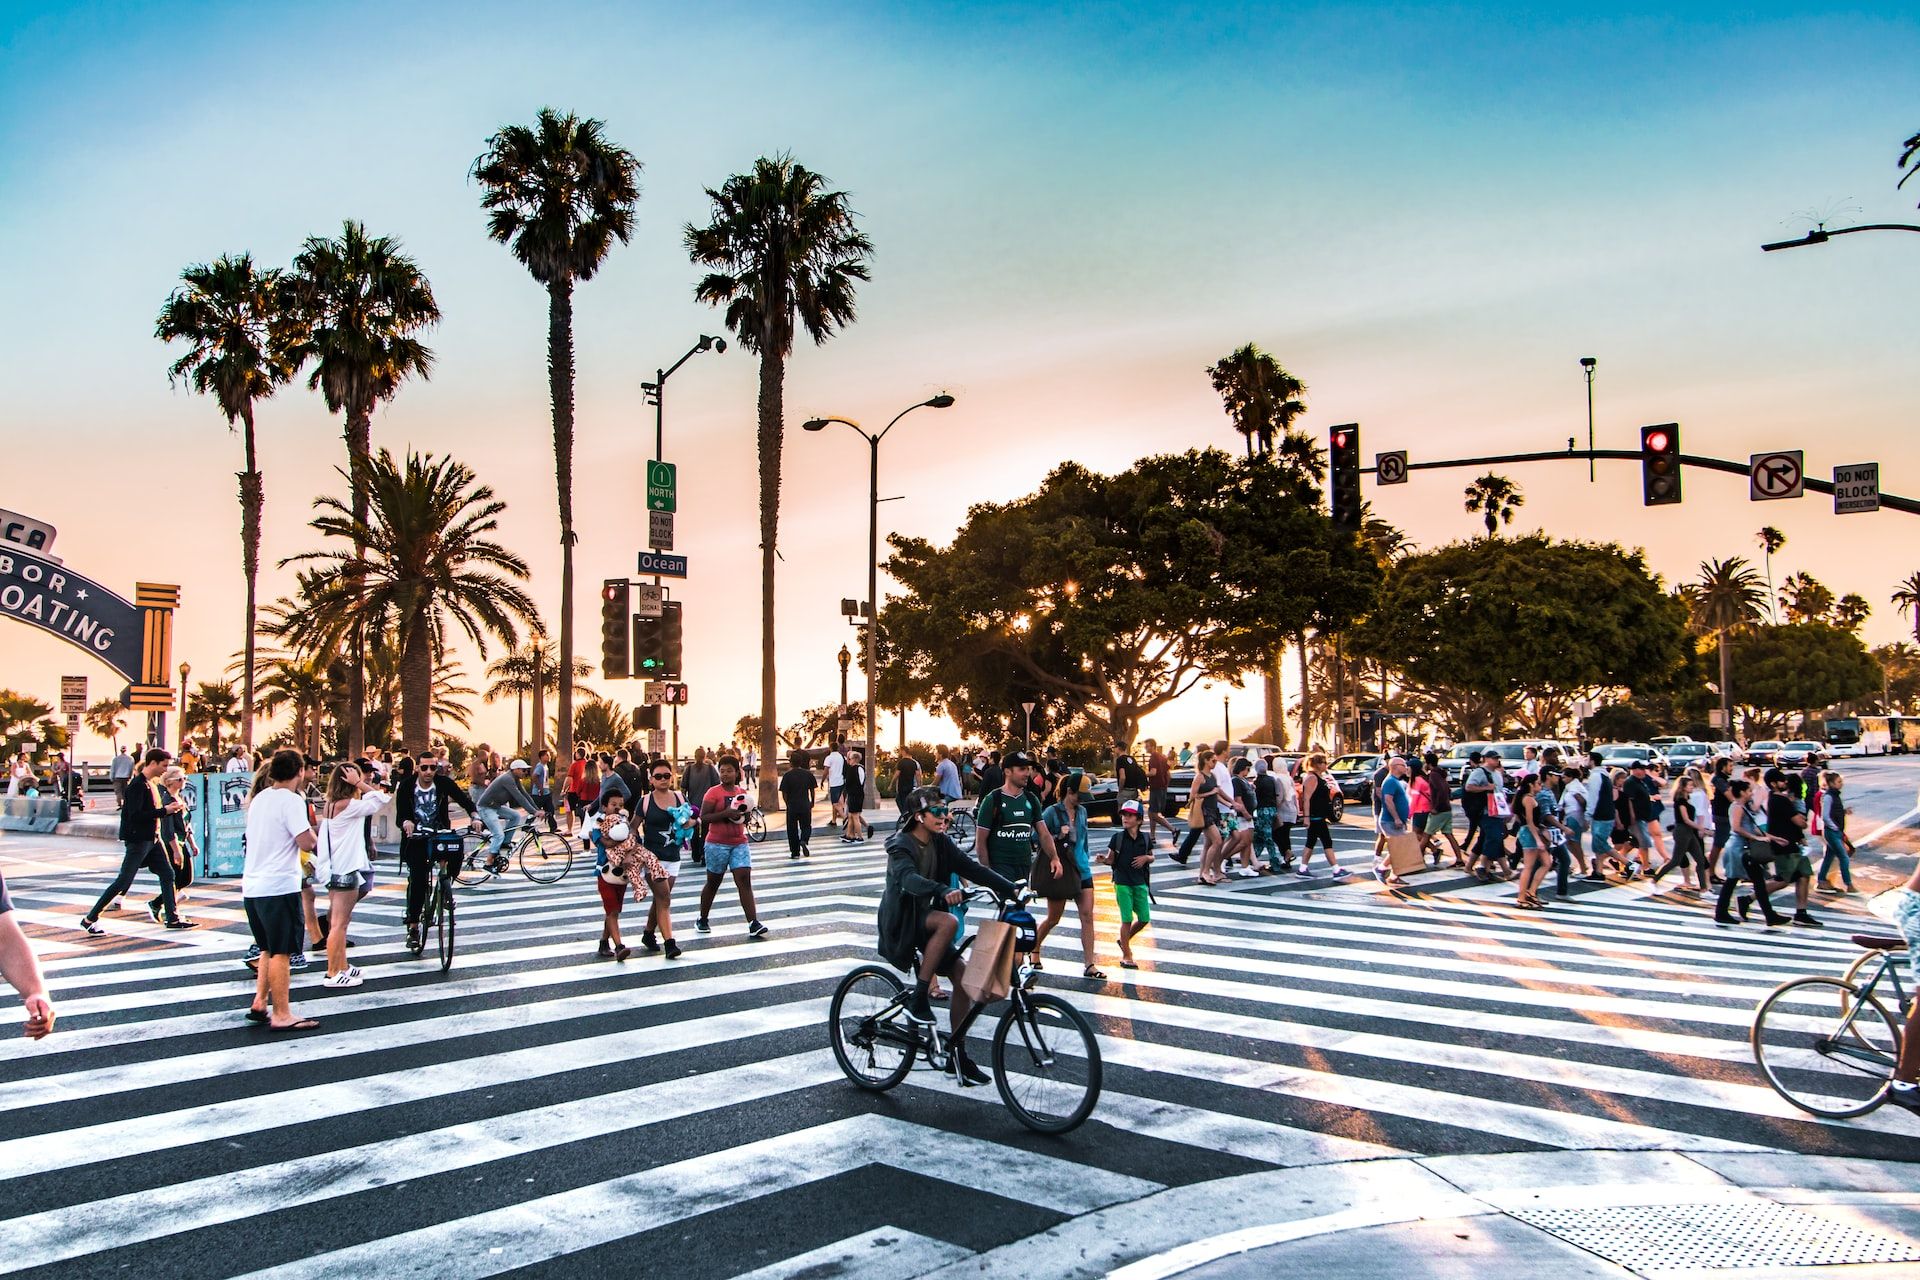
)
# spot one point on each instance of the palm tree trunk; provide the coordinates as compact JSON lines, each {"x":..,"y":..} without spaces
{"x":1276,"y":698}
{"x":1306,"y":697}
{"x":772,"y":411}
{"x":560,"y":376}
{"x":359,"y":451}
{"x":519,"y":721}
{"x":416,"y":684}
{"x":540,"y":699}
{"x":252,"y":498}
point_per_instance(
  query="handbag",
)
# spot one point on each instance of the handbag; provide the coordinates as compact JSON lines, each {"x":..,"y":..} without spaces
{"x":989,"y":969}
{"x":1046,"y":885}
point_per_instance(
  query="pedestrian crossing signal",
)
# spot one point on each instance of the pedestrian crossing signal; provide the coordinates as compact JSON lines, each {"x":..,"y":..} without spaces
{"x":614,"y":635}
{"x":1660,"y":465}
{"x":648,"y":641}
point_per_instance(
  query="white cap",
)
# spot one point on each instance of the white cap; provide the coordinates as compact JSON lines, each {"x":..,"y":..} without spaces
{"x":519,"y":764}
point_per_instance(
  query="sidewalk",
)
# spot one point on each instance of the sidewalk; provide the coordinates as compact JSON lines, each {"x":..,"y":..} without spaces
{"x":1715,"y":1209}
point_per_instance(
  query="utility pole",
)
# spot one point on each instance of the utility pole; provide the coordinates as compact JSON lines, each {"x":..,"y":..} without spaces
{"x":1587,"y":364}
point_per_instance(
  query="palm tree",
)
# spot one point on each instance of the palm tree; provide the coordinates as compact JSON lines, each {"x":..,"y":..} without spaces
{"x":600,"y":723}
{"x":1726,"y":596}
{"x":231,"y":319}
{"x":1770,"y":540}
{"x":1805,"y":598}
{"x":427,"y":564}
{"x":531,"y":668}
{"x":359,"y":305}
{"x":302,"y":685}
{"x":783,"y":250}
{"x":1495,"y":499}
{"x":1851,"y":611}
{"x":559,"y":195}
{"x":106,"y":718}
{"x":212,"y":705}
{"x":1260,"y":397}
{"x":18,"y":714}
{"x":1907,"y":596}
{"x":1909,"y":160}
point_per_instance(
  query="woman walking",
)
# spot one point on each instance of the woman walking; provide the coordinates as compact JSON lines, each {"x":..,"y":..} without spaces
{"x":1066,"y":820}
{"x":1438,"y":791}
{"x":1531,"y":840}
{"x":1316,"y":800}
{"x":341,"y":845}
{"x":666,"y":821}
{"x":1574,"y":820}
{"x":1690,"y":835}
{"x":176,"y":839}
{"x":1749,"y":853}
{"x":856,"y":797}
{"x":1203,"y":817}
{"x":1286,"y":814}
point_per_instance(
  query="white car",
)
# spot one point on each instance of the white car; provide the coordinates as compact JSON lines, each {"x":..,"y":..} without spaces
{"x":1690,"y":754}
{"x":1731,"y":750}
{"x":1622,"y":755}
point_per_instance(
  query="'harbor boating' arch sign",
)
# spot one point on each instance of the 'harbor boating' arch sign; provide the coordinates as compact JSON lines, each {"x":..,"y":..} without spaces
{"x":134,"y":637}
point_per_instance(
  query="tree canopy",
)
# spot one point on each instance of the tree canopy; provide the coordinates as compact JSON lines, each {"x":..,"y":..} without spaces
{"x":1105,"y":597}
{"x":1803,"y":666}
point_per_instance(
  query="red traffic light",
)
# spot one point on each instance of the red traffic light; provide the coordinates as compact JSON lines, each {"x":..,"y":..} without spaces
{"x":1339,"y":439}
{"x":1657,"y":441}
{"x":613,"y":591}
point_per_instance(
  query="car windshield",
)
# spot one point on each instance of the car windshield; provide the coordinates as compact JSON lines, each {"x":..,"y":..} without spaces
{"x":1632,"y":751}
{"x":1351,"y":763}
{"x":1460,"y":752}
{"x":1688,"y":749}
{"x":1803,"y":746}
{"x":1768,"y":745}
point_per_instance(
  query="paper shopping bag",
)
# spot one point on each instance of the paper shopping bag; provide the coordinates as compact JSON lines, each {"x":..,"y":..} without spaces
{"x":989,"y":972}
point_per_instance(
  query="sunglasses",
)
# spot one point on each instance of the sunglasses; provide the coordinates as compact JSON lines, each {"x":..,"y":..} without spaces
{"x":937,"y":811}
{"x":663,"y":777}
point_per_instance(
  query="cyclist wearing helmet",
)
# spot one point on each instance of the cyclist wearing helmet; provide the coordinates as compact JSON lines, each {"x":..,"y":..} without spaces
{"x":914,"y":913}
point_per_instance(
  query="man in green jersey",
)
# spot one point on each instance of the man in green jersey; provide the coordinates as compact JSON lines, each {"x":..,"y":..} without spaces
{"x":1008,"y":822}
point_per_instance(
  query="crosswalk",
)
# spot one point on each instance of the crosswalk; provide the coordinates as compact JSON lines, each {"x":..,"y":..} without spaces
{"x":541,"y":1109}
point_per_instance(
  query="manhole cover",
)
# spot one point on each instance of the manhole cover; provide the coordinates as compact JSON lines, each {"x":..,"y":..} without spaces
{"x":1755,"y":1233}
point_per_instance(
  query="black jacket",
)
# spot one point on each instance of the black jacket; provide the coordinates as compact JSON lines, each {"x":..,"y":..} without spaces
{"x":910,"y":895}
{"x":139,"y":816}
{"x":447,"y":794}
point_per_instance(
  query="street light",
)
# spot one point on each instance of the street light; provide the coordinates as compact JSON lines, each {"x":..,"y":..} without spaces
{"x":846,"y":660}
{"x":185,"y":671}
{"x":941,"y":401}
{"x":1820,"y":235}
{"x":1587,"y":364}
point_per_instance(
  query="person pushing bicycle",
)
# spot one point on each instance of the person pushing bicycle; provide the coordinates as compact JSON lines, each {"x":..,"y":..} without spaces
{"x":915,"y":915}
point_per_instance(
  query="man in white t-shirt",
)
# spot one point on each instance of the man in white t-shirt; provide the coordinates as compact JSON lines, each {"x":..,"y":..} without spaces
{"x":836,"y":763}
{"x":279,"y":830}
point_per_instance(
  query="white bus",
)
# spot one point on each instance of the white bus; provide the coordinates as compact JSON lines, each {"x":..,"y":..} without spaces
{"x":1859,"y":736}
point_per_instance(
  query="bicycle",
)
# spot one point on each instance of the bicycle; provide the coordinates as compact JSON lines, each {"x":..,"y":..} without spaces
{"x":756,"y":824}
{"x":1843,"y":1068}
{"x":544,"y":857}
{"x":1049,"y":1078}
{"x":445,"y":849}
{"x":961,"y":827}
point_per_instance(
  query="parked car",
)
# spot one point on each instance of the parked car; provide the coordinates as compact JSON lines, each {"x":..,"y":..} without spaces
{"x":1672,"y":740}
{"x":1688,"y":753}
{"x":1731,"y":750}
{"x":1455,"y":761}
{"x":1622,"y":755}
{"x":1766,"y":751}
{"x":1353,"y":774}
{"x":1101,"y":799}
{"x":1793,"y":755}
{"x":1179,"y":790}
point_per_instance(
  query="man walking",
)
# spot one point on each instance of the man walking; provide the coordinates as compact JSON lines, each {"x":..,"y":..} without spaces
{"x":1159,"y":782}
{"x":906,"y":776}
{"x":797,"y":788}
{"x":1008,"y":822}
{"x":122,"y":771}
{"x":279,"y":830}
{"x":1395,"y":815}
{"x":946,"y":775}
{"x":836,"y":765}
{"x":1787,"y":832}
{"x":723,"y":812}
{"x":140,"y":815}
{"x":542,"y":789}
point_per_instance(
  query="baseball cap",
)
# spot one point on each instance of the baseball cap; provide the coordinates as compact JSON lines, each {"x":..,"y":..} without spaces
{"x":518,"y":763}
{"x":1017,"y":760}
{"x":1131,"y":806}
{"x":1638,"y":764}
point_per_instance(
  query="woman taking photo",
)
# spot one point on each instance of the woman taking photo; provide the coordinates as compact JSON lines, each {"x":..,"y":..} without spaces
{"x":342,"y":846}
{"x":1067,"y":821}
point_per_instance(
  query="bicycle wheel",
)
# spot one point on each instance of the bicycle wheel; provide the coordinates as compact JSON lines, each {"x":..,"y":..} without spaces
{"x":473,"y":867}
{"x":1825,"y":1046}
{"x":757,"y":827}
{"x":545,"y":859}
{"x":1047,"y":1063}
{"x":443,"y":926}
{"x":873,"y":1040}
{"x":960,"y":828}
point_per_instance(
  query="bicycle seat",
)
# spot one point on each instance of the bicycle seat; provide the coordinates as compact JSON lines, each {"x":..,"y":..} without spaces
{"x":1879,"y":942}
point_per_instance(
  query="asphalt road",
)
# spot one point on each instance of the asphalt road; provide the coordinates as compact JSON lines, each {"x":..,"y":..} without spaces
{"x":538,"y":1111}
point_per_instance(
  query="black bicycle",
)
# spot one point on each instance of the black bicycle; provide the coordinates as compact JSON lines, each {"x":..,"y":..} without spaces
{"x":1829,"y":1045}
{"x":544,"y":857}
{"x":1046,"y":1061}
{"x":445,"y":849}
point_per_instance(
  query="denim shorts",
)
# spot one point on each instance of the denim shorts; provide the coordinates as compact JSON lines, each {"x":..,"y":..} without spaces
{"x":1906,"y":918}
{"x":722,"y":858}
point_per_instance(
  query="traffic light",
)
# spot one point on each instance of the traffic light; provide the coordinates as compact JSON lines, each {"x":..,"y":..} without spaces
{"x":1343,"y":490}
{"x":648,"y":638}
{"x":647,"y":717}
{"x":614,"y":633}
{"x":670,"y":635}
{"x":1660,"y":464}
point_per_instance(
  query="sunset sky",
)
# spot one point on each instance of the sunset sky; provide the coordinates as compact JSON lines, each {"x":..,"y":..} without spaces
{"x":1428,"y":215}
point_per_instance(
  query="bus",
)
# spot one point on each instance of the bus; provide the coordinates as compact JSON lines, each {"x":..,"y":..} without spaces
{"x":1859,"y":736}
{"x":1903,"y":734}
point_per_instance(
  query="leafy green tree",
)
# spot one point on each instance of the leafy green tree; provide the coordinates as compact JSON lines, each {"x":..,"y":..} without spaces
{"x":212,"y":705}
{"x":1106,"y":597}
{"x":1727,"y":596}
{"x":18,"y":714}
{"x":1495,"y":499}
{"x":559,"y":195}
{"x":1619,"y":722}
{"x":1475,"y":628}
{"x":784,"y":256}
{"x":358,"y":305}
{"x":532,"y":668}
{"x":429,"y":566}
{"x":231,"y":318}
{"x":598,"y":722}
{"x":1900,"y":675}
{"x":1802,"y":667}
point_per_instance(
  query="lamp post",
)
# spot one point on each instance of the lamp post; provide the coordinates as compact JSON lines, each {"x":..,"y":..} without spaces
{"x":1587,"y":364}
{"x":941,"y":401}
{"x":846,"y":660}
{"x":1026,"y":739}
{"x":185,"y":671}
{"x":1820,"y":235}
{"x":1226,"y":717}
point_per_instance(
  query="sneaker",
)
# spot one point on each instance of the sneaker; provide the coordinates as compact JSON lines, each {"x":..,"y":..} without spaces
{"x":702,"y":925}
{"x":1745,"y":903}
{"x":178,"y":923}
{"x":342,"y":979}
{"x":967,"y":1071}
{"x":298,"y":962}
{"x":415,"y":943}
{"x":649,"y":943}
{"x":673,"y":949}
{"x":757,"y":930}
{"x":1721,"y":917}
{"x":153,"y":911}
{"x":1180,"y":858}
{"x":1341,"y":873}
{"x":354,"y":969}
{"x":917,"y":1007}
{"x":1806,"y":921}
{"x":621,"y":952}
{"x":90,"y":928}
{"x":252,"y":957}
{"x":1905,"y":1095}
{"x":806,"y":851}
{"x":1304,"y":874}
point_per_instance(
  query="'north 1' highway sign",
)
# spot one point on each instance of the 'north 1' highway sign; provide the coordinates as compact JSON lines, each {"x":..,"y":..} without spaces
{"x":660,"y":486}
{"x":664,"y":565}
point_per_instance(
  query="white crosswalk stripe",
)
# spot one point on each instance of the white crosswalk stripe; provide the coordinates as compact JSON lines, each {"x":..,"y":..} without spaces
{"x":539,"y":1105}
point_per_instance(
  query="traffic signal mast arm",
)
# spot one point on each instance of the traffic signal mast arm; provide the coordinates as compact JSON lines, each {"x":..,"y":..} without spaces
{"x":1887,"y":500}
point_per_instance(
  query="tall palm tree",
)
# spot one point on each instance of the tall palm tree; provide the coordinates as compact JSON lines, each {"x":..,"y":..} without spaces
{"x":559,"y":194}
{"x":1495,"y":499}
{"x":1907,"y":596}
{"x":359,"y":306}
{"x":212,"y":706}
{"x":1260,"y":397}
{"x":1770,"y":540}
{"x":107,"y":718}
{"x":531,"y":668}
{"x":783,"y":252}
{"x":301,"y":685}
{"x":1851,"y":611}
{"x":1805,"y":598}
{"x":231,"y":319}
{"x":1725,"y":597}
{"x":428,"y":564}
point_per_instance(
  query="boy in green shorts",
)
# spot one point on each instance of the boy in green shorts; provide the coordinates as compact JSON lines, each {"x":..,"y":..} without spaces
{"x":1130,"y":854}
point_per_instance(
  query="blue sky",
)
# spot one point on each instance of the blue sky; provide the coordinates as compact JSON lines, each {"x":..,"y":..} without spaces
{"x":1427,"y":214}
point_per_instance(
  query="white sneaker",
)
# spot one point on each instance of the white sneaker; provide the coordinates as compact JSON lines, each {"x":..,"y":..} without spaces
{"x":345,"y":978}
{"x":354,"y":969}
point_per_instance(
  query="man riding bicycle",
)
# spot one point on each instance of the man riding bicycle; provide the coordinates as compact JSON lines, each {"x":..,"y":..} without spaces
{"x":498,"y":803}
{"x":915,"y":915}
{"x":425,"y":805}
